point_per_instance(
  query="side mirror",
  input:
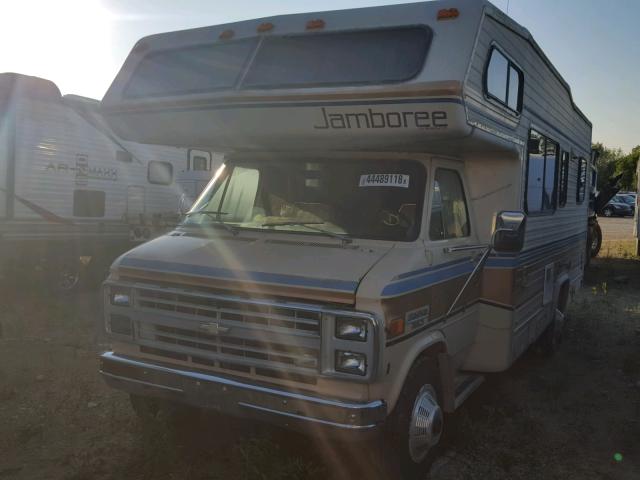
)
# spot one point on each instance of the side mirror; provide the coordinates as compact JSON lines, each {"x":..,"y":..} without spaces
{"x":508,"y":233}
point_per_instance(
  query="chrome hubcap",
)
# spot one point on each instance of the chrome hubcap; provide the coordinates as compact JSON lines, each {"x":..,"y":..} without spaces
{"x":69,"y":278}
{"x":425,"y":427}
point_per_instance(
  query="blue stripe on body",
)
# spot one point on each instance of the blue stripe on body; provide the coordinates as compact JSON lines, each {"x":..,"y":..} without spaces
{"x":427,"y":279}
{"x":223,"y":273}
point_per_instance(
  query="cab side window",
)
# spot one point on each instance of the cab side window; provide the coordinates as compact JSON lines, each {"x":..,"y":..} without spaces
{"x":449,"y":214}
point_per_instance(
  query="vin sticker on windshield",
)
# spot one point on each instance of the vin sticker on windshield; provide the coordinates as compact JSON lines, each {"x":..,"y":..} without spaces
{"x":384,"y":180}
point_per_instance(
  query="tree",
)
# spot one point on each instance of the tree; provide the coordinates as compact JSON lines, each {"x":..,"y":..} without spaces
{"x":607,"y":164}
{"x":627,"y":166}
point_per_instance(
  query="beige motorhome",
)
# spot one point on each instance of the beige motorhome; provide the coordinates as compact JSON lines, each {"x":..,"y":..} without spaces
{"x":402,"y":208}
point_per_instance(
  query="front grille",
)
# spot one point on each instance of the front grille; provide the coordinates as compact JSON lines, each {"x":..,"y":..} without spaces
{"x":263,"y":338}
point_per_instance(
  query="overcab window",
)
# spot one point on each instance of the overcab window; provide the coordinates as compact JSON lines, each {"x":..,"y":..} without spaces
{"x":542,"y":164}
{"x":503,"y":81}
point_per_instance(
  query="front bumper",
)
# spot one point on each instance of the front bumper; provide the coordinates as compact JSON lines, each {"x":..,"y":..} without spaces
{"x":293,"y":410}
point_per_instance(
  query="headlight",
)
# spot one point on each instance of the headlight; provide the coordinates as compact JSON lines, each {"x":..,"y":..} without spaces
{"x":351,"y":362}
{"x":351,"y":329}
{"x":120,"y":297}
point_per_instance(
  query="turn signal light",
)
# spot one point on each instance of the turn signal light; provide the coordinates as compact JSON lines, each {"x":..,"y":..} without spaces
{"x":265,"y":27}
{"x":395,"y":327}
{"x":317,"y":24}
{"x":448,"y":13}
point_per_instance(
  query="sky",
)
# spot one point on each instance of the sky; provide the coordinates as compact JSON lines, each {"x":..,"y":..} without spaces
{"x":81,"y":44}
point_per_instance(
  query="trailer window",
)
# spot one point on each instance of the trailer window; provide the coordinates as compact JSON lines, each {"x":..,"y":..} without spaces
{"x":88,"y":203}
{"x":160,"y":173}
{"x":540,"y":188}
{"x":372,"y":56}
{"x":563,"y":180}
{"x":581,"y":186}
{"x":503,"y":80}
{"x":449,"y":215}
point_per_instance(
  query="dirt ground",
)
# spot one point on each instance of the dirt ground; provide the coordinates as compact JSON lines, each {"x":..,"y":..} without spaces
{"x":616,"y":228}
{"x":575,"y":415}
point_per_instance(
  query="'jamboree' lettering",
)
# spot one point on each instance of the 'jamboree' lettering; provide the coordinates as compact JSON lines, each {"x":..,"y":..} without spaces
{"x":371,"y":119}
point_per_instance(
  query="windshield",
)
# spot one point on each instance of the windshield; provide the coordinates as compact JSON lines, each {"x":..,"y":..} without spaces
{"x":369,"y":199}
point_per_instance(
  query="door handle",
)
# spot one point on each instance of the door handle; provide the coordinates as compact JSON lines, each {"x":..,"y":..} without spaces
{"x":464,"y":248}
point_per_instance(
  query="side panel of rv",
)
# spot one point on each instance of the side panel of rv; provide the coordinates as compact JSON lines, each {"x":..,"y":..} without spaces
{"x":525,"y":291}
{"x":547,"y":108}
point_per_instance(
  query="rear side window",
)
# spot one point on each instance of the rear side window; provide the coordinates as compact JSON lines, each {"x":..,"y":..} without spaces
{"x":504,"y":80}
{"x":88,"y":203}
{"x":372,"y":56}
{"x":160,"y":173}
{"x":581,"y":185}
{"x":449,"y":215}
{"x":542,"y":162}
{"x":563,"y":179}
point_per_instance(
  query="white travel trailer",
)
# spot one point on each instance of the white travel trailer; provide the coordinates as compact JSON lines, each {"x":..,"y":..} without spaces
{"x":402,"y":208}
{"x":70,"y":188}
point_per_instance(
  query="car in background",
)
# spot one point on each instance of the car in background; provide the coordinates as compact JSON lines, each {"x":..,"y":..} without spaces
{"x":620,"y":205}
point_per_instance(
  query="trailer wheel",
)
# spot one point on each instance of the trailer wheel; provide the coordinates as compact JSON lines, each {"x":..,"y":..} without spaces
{"x":595,"y":241}
{"x":416,"y":424}
{"x":65,"y":275}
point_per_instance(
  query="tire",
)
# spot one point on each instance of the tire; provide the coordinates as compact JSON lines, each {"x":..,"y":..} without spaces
{"x":608,"y":212}
{"x":595,"y":241}
{"x":416,"y":424}
{"x":551,"y":338}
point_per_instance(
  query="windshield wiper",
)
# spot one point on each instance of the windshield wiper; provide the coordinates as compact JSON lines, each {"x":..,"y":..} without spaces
{"x":345,"y":239}
{"x":215,"y":216}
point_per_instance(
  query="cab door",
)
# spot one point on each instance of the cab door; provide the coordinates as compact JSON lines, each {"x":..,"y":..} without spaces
{"x":450,"y":238}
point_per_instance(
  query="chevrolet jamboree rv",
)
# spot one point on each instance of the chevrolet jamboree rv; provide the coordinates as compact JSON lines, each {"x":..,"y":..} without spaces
{"x":402,"y":208}
{"x":70,"y":188}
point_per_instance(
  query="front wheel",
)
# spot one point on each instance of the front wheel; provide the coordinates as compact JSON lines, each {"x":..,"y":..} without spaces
{"x":608,"y":212}
{"x":417,"y":422}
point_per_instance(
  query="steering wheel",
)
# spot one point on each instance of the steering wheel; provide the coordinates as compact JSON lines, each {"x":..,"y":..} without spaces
{"x":394,"y":219}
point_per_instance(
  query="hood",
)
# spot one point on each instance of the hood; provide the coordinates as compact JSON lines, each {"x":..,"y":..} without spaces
{"x":270,"y":265}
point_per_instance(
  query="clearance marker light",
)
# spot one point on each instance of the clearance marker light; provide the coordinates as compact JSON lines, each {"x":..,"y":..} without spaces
{"x":315,"y":24}
{"x":226,"y":35}
{"x":265,"y":27}
{"x":448,"y":13}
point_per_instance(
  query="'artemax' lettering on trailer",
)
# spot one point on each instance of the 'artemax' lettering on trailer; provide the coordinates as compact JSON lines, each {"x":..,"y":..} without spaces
{"x":371,"y":119}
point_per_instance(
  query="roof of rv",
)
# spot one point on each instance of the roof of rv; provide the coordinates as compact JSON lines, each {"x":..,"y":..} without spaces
{"x":24,"y":85}
{"x":440,"y":64}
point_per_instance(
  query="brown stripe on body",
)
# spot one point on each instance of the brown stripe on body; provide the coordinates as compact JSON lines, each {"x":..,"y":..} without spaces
{"x":439,"y":297}
{"x":327,"y":296}
{"x":511,"y":287}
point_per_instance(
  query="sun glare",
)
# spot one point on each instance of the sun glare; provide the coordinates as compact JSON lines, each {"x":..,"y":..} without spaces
{"x":66,"y":41}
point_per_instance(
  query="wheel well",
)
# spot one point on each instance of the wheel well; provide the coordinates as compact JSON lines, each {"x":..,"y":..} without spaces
{"x":563,"y":296}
